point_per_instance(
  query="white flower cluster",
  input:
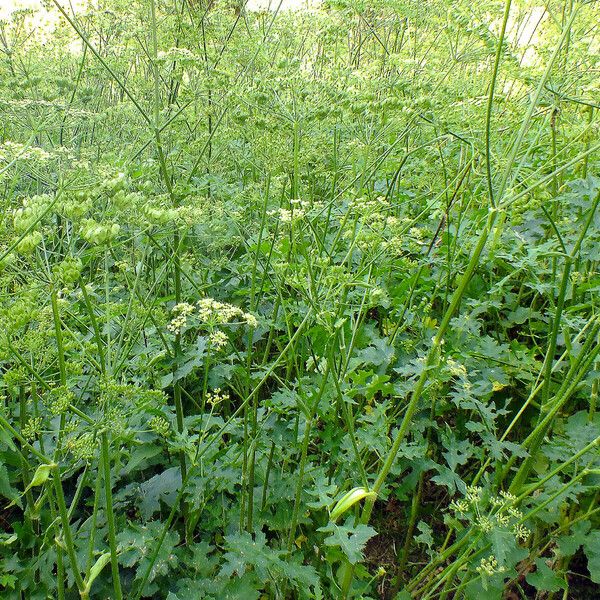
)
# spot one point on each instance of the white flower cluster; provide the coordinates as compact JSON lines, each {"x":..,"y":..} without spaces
{"x":177,"y":54}
{"x":83,"y":447}
{"x":218,"y":339}
{"x":283,"y":214}
{"x":473,"y":493}
{"x":178,"y":322}
{"x":501,"y":513}
{"x":210,"y":310}
{"x":32,"y":428}
{"x":213,"y":312}
{"x":521,"y":532}
{"x":460,"y":507}
{"x":29,"y":103}
{"x":33,"y":209}
{"x":10,"y":151}
{"x":456,"y":369}
{"x":416,"y":233}
{"x":366,"y":205}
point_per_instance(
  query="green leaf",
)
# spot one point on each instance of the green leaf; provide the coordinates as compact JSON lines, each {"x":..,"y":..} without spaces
{"x":425,"y":537}
{"x":544,"y":578}
{"x":247,"y":552}
{"x":486,"y":587}
{"x":242,"y":588}
{"x":581,"y":536}
{"x":134,"y":545}
{"x":6,"y":539}
{"x":302,"y":576}
{"x":506,"y":549}
{"x":569,"y":544}
{"x":450,"y":479}
{"x":6,"y":489}
{"x":8,"y":581}
{"x":190,"y":360}
{"x":458,"y":451}
{"x":591,"y":547}
{"x":322,"y":490}
{"x":140,"y":456}
{"x":351,"y":540}
{"x":6,"y":438}
{"x":502,"y":543}
{"x":163,"y":486}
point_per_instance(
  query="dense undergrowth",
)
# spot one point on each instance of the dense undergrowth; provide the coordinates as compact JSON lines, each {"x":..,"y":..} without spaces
{"x":300,"y":305}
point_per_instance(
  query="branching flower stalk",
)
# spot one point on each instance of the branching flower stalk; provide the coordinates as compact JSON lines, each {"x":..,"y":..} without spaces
{"x":177,"y":242}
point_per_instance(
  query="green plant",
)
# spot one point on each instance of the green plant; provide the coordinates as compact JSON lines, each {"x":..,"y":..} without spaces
{"x":299,"y":304}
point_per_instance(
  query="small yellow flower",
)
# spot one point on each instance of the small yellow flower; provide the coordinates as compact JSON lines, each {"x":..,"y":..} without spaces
{"x":521,"y":532}
{"x":489,"y":566}
{"x":473,"y":493}
{"x":216,"y":397}
{"x":218,"y":340}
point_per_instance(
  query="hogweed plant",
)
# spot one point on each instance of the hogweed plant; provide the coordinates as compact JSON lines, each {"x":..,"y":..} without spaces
{"x":300,"y":304}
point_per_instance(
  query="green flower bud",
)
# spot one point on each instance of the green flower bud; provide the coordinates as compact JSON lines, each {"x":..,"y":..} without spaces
{"x":29,"y":243}
{"x":68,"y":271}
{"x":60,"y":399}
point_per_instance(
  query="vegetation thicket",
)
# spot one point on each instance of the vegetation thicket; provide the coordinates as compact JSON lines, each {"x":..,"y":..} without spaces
{"x":300,"y":304}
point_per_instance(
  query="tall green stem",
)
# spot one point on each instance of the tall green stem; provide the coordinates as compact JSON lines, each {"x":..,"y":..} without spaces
{"x":110,"y":519}
{"x":490,"y":102}
{"x":66,"y":528}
